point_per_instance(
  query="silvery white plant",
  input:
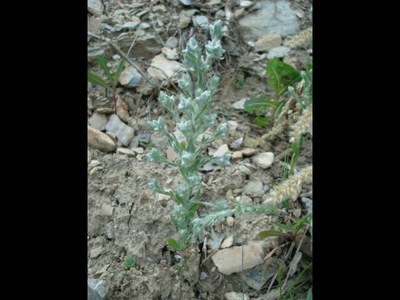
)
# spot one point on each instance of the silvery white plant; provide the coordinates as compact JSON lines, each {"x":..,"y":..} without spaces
{"x":192,"y":118}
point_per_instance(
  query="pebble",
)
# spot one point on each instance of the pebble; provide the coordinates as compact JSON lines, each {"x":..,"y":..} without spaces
{"x":230,"y":221}
{"x":123,"y":132}
{"x":221,"y":150}
{"x":236,"y":296}
{"x":201,"y":21}
{"x":172,"y":42}
{"x":95,"y":7}
{"x":125,"y":151}
{"x":248,"y":152}
{"x":229,"y":260}
{"x":268,"y":42}
{"x":100,"y":140}
{"x":98,"y":121}
{"x":280,"y":51}
{"x":227,"y":242}
{"x":263,"y":160}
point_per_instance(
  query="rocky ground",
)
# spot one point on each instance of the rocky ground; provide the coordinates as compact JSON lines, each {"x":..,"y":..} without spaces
{"x":126,"y":219}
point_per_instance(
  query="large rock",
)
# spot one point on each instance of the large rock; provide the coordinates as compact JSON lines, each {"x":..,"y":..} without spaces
{"x":274,"y":16}
{"x":123,"y":132}
{"x":163,"y":68}
{"x":100,"y":140}
{"x":95,"y":7}
{"x":229,"y":260}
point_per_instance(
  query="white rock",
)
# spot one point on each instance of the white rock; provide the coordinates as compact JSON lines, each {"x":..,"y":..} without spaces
{"x":213,"y":2}
{"x":254,"y":188}
{"x":236,"y":296}
{"x":221,"y":150}
{"x":239,"y":105}
{"x":233,"y":125}
{"x":227,"y":242}
{"x":107,"y":209}
{"x":130,"y":25}
{"x":246,"y":3}
{"x":238,"y":13}
{"x":98,"y":121}
{"x":185,"y":17}
{"x":163,"y":68}
{"x":280,"y":51}
{"x":201,"y":21}
{"x":95,"y":7}
{"x":248,"y":152}
{"x":172,"y":42}
{"x":186,"y":2}
{"x":229,"y":260}
{"x":263,"y":160}
{"x":171,"y":54}
{"x":159,"y":8}
{"x":125,"y":151}
{"x":245,"y":199}
{"x":94,"y":163}
{"x":130,"y":77}
{"x":268,"y":42}
{"x":123,"y":132}
{"x":230,"y":221}
{"x":96,"y":252}
{"x":138,"y":150}
{"x":100,"y":140}
{"x":122,"y":109}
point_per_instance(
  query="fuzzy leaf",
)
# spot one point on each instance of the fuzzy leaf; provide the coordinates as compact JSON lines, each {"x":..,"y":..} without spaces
{"x":281,"y":75}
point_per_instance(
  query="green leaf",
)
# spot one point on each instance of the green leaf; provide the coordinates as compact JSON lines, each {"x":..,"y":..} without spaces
{"x":118,"y":72}
{"x":281,"y":76}
{"x":103,"y":64}
{"x":174,"y":244}
{"x":260,"y":104}
{"x":94,"y":78}
{"x":262,"y":121}
{"x":269,"y":233}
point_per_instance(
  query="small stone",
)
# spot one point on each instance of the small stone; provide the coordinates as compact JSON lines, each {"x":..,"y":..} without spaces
{"x":238,"y":13}
{"x":100,"y":140}
{"x":122,"y":109}
{"x":186,"y":2}
{"x":94,"y":170}
{"x":97,"y":288}
{"x":107,"y":210}
{"x":130,"y":25}
{"x":237,"y":144}
{"x":245,"y":170}
{"x":96,"y":252}
{"x":98,"y":121}
{"x":135,"y":19}
{"x":233,"y":125}
{"x":229,"y":195}
{"x":221,"y":150}
{"x":138,"y":150}
{"x":227,"y":242}
{"x":268,"y":42}
{"x":130,"y":77}
{"x":184,"y":21}
{"x":229,"y":221}
{"x":230,"y":260}
{"x":126,"y":152}
{"x":159,"y":8}
{"x":246,"y":3}
{"x":171,"y":154}
{"x":123,"y":132}
{"x":94,"y":25}
{"x":248,"y":152}
{"x":95,"y":7}
{"x":254,"y":188}
{"x":278,"y":52}
{"x":251,"y":142}
{"x":171,"y":54}
{"x":163,"y":68}
{"x":94,"y":163}
{"x":203,"y":275}
{"x":172,"y":42}
{"x":200,"y":21}
{"x":144,"y":25}
{"x":245,"y":199}
{"x":239,"y":105}
{"x":236,"y":296}
{"x":263,"y":160}
{"x":105,"y":110}
{"x":109,"y":230}
{"x":213,"y":2}
{"x":297,"y":213}
{"x":237,"y":155}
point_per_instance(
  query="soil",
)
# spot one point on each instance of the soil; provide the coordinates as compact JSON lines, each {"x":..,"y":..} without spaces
{"x":127,"y":219}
